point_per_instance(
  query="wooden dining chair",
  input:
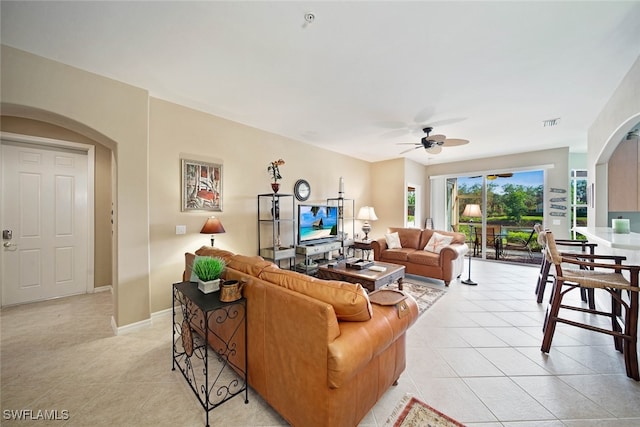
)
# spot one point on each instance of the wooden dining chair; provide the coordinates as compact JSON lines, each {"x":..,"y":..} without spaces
{"x":493,"y":236}
{"x":570,"y":276}
{"x":586,"y":248}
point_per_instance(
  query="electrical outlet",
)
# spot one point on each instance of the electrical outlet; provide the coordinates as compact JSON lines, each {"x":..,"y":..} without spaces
{"x":556,"y":222}
{"x":181,"y":229}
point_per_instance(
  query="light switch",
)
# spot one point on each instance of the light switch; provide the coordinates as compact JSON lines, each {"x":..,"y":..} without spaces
{"x":181,"y":229}
{"x":556,"y":222}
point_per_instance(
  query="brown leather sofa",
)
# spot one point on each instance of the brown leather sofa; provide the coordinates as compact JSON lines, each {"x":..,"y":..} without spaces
{"x":446,"y":265}
{"x":318,"y":351}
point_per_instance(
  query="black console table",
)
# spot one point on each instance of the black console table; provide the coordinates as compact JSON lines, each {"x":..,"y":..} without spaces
{"x":215,"y":368}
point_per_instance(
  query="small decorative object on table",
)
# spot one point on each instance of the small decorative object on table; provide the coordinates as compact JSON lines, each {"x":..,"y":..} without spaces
{"x":358,"y":264}
{"x":209,"y":270}
{"x":621,"y":225}
{"x":231,"y":290}
{"x":274,"y":170}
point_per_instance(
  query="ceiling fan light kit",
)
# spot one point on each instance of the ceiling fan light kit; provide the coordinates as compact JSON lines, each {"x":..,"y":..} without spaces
{"x":433,"y":143}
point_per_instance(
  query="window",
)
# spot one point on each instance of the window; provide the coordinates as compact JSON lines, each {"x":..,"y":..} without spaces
{"x":411,"y":206}
{"x":578,"y":200}
{"x":510,"y":203}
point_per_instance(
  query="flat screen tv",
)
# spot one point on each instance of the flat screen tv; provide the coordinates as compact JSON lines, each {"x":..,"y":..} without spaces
{"x":317,"y":223}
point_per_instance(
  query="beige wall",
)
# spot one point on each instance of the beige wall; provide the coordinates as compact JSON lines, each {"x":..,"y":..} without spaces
{"x":245,"y":153}
{"x":388,"y":194}
{"x":557,"y":175}
{"x":618,"y":116}
{"x":102,"y":186}
{"x":115,"y":115}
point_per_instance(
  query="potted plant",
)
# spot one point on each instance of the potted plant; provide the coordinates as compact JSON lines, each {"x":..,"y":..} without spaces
{"x":274,"y":171}
{"x":209,"y":270}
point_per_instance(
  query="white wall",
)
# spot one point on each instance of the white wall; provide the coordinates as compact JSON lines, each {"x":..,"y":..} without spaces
{"x":617,"y":117}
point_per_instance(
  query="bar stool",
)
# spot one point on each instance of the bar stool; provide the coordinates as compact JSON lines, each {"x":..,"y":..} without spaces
{"x":625,"y":330}
{"x":587,"y":295}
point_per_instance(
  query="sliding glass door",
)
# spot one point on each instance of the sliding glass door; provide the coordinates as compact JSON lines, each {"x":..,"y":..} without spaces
{"x":509,"y":206}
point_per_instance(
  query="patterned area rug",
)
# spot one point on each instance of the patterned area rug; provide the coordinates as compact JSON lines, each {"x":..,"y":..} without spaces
{"x":424,"y":295}
{"x":411,"y":412}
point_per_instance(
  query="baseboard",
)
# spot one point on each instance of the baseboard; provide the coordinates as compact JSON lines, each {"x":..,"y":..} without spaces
{"x":131,"y":327}
{"x":134,"y":327}
{"x":162,"y":313}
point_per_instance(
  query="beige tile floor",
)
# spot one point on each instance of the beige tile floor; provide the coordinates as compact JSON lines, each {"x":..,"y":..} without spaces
{"x":474,"y":355}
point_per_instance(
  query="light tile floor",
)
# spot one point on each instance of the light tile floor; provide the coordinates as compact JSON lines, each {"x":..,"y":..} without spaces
{"x":474,"y":355}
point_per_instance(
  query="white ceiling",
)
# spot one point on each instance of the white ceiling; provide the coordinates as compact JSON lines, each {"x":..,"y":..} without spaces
{"x":363,"y":76}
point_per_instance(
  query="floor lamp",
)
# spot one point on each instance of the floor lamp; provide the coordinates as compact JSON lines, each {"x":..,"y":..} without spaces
{"x":471,"y":211}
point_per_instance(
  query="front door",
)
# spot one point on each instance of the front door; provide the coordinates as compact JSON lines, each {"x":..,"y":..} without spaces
{"x":45,"y":211}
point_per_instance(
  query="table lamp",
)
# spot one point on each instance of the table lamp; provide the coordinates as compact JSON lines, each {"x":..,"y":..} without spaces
{"x":366,"y":214}
{"x":471,"y":211}
{"x":212,"y":226}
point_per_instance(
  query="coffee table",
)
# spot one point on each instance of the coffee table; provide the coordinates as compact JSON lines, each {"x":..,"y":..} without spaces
{"x":369,"y":279}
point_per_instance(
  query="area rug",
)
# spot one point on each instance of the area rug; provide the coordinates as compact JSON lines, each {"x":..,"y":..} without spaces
{"x":412,"y":412}
{"x":424,"y":295}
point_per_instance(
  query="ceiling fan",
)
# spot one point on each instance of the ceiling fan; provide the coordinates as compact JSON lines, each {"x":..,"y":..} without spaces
{"x":433,"y":143}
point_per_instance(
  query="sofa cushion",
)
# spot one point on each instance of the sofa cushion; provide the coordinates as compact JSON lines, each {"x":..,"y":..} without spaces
{"x":437,"y":242}
{"x":424,"y":258}
{"x":393,"y":241}
{"x":396,"y":254}
{"x":252,"y":265}
{"x":426,"y":236}
{"x":409,"y":237}
{"x":349,"y":300}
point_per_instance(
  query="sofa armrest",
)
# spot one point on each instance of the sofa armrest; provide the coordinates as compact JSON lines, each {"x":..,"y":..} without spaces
{"x":451,"y":252}
{"x":361,"y":342}
{"x":378,"y":246}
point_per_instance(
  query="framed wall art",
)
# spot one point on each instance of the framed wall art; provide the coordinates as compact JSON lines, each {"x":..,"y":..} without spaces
{"x":201,"y":186}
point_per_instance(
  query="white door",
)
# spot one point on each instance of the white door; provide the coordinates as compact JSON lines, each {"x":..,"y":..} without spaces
{"x":44,"y":205}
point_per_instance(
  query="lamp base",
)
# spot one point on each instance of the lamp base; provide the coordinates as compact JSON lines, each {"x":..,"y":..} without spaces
{"x":469,"y":282}
{"x":366,"y":228}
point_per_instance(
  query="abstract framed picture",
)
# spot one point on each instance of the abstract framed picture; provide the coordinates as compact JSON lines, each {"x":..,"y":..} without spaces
{"x":201,"y":186}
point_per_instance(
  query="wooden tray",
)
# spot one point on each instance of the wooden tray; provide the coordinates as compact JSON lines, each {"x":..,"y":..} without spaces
{"x":387,"y":296}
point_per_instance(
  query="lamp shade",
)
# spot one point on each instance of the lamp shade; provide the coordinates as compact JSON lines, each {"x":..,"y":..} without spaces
{"x":472,"y":210}
{"x":367,"y":213}
{"x":212,"y":226}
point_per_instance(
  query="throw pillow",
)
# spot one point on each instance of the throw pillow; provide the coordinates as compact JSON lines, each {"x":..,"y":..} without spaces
{"x":393,"y":240}
{"x":437,"y":242}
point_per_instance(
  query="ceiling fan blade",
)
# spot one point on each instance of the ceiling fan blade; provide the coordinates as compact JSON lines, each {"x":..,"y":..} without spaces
{"x":409,"y":143}
{"x":436,"y":149}
{"x":410,"y":149}
{"x":452,"y":142}
{"x":438,"y":138}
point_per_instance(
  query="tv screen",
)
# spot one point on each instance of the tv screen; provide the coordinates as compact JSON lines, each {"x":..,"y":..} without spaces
{"x":317,"y":223}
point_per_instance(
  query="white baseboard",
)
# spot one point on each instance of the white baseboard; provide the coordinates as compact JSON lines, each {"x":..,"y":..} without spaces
{"x":131,"y":327}
{"x":134,"y":327}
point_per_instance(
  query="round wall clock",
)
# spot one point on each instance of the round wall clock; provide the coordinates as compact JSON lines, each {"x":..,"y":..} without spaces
{"x":302,"y":190}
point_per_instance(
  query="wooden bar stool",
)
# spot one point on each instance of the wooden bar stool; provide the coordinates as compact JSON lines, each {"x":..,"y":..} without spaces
{"x":624,"y":330}
{"x":587,"y":295}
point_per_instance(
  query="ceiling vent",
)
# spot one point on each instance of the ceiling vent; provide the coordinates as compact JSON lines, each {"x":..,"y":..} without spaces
{"x":551,"y":122}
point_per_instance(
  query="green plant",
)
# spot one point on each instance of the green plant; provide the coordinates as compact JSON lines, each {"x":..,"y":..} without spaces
{"x":274,"y":169}
{"x":209,"y":268}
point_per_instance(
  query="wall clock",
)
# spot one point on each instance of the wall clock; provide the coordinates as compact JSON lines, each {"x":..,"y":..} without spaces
{"x":302,"y":190}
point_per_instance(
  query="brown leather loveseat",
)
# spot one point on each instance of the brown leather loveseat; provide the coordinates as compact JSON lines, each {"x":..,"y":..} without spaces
{"x":318,"y":351}
{"x":445,"y":265}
